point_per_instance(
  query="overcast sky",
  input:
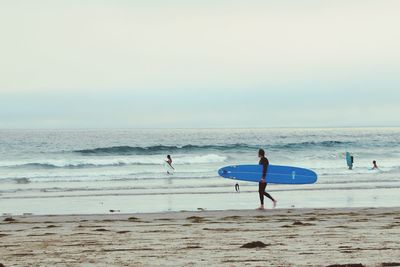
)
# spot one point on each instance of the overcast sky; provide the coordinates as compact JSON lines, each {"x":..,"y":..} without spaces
{"x":105,"y":64}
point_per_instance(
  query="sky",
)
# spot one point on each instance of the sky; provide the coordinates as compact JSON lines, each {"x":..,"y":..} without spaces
{"x":189,"y":64}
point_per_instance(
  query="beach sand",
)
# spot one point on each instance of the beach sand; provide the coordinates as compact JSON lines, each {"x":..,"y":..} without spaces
{"x":280,"y":237}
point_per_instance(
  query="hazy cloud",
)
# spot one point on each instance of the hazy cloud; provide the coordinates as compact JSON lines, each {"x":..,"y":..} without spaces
{"x":199,"y":64}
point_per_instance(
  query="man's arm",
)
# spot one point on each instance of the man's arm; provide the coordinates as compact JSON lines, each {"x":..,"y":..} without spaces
{"x":264,"y":173}
{"x":265,"y":168}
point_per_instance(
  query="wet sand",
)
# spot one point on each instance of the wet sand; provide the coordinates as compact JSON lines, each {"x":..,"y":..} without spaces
{"x":281,"y":237}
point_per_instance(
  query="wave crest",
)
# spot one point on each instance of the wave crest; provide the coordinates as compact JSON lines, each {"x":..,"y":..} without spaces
{"x":135,"y":150}
{"x":152,"y":150}
{"x":99,"y":163}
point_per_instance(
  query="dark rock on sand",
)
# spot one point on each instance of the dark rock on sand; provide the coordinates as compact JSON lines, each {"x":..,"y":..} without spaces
{"x":123,"y":232}
{"x":255,"y":244}
{"x":303,"y":224}
{"x":101,"y":230}
{"x":9,"y":219}
{"x":134,"y":219}
{"x":196,"y":219}
{"x":347,"y":265}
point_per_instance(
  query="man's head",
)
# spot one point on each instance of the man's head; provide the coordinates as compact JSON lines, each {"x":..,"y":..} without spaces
{"x":168,"y":156}
{"x":261,"y":153}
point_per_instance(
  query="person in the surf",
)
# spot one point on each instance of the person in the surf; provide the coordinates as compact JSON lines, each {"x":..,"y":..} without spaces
{"x":263,"y":183}
{"x":375,"y":166}
{"x":169,"y":161}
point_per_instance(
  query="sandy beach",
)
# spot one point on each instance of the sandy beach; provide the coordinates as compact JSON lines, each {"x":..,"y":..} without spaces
{"x":281,"y":237}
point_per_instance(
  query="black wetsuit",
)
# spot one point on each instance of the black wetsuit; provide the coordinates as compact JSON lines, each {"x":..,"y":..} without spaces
{"x":261,"y":185}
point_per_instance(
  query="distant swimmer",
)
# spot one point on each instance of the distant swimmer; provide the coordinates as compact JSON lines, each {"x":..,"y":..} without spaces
{"x":237,"y":188}
{"x":349,"y":160}
{"x":169,"y":161}
{"x":375,"y":167}
{"x":262,"y":184}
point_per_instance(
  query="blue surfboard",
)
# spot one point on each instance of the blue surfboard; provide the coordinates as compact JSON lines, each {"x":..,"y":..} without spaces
{"x":276,"y":174}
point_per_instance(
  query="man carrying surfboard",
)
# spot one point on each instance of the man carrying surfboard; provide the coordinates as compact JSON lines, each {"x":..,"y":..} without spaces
{"x":263,"y":183}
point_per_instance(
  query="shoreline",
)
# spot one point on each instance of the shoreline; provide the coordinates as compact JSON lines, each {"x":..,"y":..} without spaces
{"x":207,"y":213}
{"x":129,"y":204}
{"x":285,"y":237}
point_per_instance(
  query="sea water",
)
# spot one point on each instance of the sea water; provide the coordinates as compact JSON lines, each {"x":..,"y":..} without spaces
{"x":95,"y":171}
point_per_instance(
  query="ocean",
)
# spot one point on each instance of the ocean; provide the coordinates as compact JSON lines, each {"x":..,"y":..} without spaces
{"x":123,"y":170}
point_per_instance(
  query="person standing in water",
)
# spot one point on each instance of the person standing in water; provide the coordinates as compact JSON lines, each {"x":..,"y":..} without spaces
{"x":375,"y":167}
{"x":169,"y":161}
{"x":263,"y":183}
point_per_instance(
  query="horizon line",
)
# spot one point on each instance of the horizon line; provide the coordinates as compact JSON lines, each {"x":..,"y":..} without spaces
{"x":195,"y":128}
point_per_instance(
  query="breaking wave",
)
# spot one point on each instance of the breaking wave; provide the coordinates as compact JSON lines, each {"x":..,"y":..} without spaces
{"x":151,"y":150}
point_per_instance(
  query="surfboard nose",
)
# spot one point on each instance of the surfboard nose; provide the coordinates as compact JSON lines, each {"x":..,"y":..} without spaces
{"x":222,"y":171}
